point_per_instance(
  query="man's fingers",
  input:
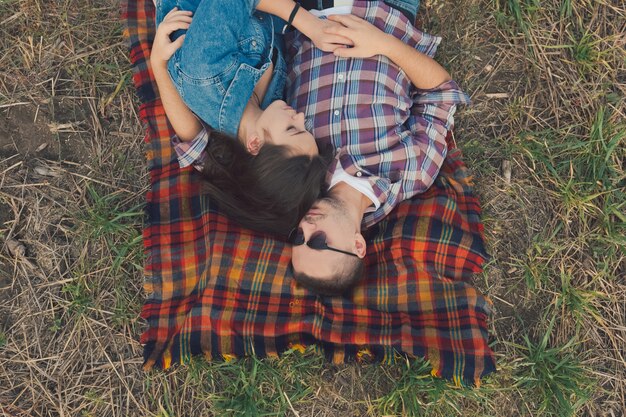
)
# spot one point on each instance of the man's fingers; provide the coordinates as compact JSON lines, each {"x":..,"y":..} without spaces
{"x":336,"y":30}
{"x":345,"y":52}
{"x":340,"y":40}
{"x":340,"y":34}
{"x":344,"y":19}
{"x":332,"y":47}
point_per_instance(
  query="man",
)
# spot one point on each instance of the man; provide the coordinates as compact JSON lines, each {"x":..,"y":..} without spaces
{"x":386,"y":107}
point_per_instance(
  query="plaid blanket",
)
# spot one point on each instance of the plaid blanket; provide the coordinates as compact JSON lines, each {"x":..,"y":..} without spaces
{"x":217,"y":290}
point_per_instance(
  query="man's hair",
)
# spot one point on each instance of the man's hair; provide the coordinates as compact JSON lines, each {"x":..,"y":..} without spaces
{"x":269,"y":192}
{"x":345,"y":277}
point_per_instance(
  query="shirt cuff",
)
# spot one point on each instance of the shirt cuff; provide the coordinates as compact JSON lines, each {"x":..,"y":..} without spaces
{"x":447,"y":92}
{"x":191,"y":152}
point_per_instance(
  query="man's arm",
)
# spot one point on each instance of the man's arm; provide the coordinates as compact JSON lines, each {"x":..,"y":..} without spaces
{"x":434,"y":104}
{"x":304,"y":21}
{"x":424,"y":72}
{"x":185,"y":123}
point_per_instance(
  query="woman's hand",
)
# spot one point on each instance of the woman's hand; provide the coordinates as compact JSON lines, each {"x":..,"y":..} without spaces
{"x":163,"y":48}
{"x":367,"y":39}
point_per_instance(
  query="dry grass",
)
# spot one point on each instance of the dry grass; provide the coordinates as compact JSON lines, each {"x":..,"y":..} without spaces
{"x":545,"y":136}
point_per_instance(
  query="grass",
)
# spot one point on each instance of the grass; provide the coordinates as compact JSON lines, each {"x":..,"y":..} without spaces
{"x":552,"y":378}
{"x":547,"y":85}
{"x":417,"y":393}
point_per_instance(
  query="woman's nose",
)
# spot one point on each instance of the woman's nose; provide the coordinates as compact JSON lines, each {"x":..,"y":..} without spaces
{"x":299,"y":118}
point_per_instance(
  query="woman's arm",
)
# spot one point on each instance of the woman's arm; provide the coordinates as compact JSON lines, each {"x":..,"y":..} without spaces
{"x":423,"y":71}
{"x":185,"y":123}
{"x":310,"y":25}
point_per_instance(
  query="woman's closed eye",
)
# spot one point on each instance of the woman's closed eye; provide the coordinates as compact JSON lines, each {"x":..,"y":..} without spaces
{"x":294,"y":130}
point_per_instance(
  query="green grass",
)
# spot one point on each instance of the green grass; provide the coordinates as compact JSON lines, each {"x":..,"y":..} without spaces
{"x":108,"y":218}
{"x":416,"y":393}
{"x":521,"y":11}
{"x":248,"y":386}
{"x":108,"y":226}
{"x":256,"y":388}
{"x":552,"y":379}
{"x":79,"y":295}
{"x":580,"y":302}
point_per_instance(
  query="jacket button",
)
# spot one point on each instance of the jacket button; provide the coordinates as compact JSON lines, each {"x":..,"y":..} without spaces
{"x":395,"y":175}
{"x":254,"y":44}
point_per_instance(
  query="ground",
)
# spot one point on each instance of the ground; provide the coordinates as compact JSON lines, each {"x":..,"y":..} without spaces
{"x":545,"y":140}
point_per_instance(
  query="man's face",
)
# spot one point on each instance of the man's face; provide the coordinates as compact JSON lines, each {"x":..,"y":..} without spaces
{"x":329,"y":217}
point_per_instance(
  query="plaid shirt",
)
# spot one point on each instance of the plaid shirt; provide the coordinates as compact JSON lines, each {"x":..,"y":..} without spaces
{"x":382,"y":127}
{"x":192,"y":152}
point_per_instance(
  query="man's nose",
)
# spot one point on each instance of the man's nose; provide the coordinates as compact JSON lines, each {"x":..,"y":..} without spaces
{"x":308,"y":226}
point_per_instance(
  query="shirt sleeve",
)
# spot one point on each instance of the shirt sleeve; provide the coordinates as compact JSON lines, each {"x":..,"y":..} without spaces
{"x":430,"y":119}
{"x":192,"y":152}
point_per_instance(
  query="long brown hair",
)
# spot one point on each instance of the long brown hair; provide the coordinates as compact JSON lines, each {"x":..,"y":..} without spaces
{"x":269,"y":192}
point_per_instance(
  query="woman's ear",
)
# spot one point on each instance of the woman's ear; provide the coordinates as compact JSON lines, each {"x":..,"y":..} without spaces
{"x":360,"y":246}
{"x":254,"y":143}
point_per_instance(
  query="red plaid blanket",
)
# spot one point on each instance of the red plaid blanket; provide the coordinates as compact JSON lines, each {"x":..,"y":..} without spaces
{"x":217,"y":290}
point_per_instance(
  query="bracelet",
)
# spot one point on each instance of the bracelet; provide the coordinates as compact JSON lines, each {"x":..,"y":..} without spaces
{"x":291,"y":17}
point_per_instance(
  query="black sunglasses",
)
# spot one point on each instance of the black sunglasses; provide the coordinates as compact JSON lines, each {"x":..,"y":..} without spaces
{"x":317,"y":241}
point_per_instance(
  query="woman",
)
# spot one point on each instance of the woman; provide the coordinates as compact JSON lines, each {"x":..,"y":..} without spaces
{"x":228,"y":72}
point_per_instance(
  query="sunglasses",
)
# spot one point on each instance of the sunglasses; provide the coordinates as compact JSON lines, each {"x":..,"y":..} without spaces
{"x":317,"y":241}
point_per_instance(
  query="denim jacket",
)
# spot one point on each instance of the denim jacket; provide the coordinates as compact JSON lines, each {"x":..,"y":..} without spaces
{"x":227,"y":48}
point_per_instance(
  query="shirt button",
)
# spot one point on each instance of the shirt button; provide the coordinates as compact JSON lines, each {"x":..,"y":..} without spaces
{"x":359,"y":173}
{"x":254,"y":44}
{"x":340,"y":76}
{"x":336,"y":112}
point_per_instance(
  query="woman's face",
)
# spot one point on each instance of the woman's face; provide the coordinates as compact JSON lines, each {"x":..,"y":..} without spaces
{"x":281,"y":125}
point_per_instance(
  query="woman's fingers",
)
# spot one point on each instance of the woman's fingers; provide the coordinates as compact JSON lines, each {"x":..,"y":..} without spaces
{"x":171,"y":27}
{"x":177,"y":43}
{"x":174,"y":10}
{"x":181,"y":25}
{"x":177,"y":13}
{"x":186,"y":19}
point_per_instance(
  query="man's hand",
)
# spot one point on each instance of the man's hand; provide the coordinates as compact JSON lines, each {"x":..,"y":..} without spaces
{"x":367,"y":39}
{"x":423,"y":71}
{"x":163,"y":48}
{"x":325,"y":37}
